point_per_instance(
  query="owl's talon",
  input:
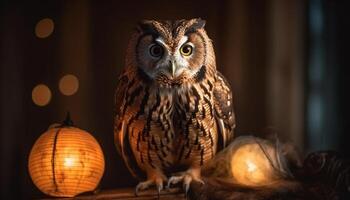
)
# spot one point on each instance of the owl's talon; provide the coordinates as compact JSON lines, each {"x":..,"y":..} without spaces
{"x":186,"y":177}
{"x":186,"y":187}
{"x":158,"y":182}
{"x":201,"y":181}
{"x":186,"y":184}
{"x":159,"y":188}
{"x":137,"y":191}
{"x":174,"y":180}
{"x":143,"y":185}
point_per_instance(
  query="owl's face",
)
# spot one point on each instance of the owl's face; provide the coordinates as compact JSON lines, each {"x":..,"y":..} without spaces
{"x":171,"y":53}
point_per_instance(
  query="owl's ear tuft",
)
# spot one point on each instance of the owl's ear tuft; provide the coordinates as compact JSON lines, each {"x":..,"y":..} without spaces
{"x":197,"y":24}
{"x":145,"y":26}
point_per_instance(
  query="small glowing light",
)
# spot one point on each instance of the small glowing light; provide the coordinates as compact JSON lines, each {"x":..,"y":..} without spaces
{"x":41,"y":95}
{"x":69,"y":84}
{"x":44,"y":28}
{"x":251,"y":167}
{"x":69,"y":162}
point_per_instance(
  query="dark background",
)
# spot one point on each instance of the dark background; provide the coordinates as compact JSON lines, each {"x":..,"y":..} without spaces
{"x":285,"y":60}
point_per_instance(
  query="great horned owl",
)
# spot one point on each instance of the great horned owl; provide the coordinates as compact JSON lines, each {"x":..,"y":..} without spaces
{"x":174,"y":110}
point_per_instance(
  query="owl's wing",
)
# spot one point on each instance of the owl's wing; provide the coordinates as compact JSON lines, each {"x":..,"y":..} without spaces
{"x":120,"y":134}
{"x":224,"y":113}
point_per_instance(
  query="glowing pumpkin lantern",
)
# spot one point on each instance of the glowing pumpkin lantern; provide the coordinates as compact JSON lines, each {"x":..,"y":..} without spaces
{"x":66,"y":161}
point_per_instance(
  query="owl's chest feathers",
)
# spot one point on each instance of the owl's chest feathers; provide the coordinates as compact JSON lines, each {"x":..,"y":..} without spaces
{"x":181,"y":109}
{"x":174,"y":124}
{"x":166,"y":108}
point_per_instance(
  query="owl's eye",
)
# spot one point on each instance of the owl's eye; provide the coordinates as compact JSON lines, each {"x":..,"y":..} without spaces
{"x":156,"y":50}
{"x":186,"y":50}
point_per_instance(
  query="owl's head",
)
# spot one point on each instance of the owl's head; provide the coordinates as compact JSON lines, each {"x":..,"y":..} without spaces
{"x":171,"y":53}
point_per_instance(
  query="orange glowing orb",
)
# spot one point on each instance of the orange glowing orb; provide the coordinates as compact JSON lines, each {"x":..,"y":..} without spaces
{"x":66,"y":161}
{"x":250,"y":165}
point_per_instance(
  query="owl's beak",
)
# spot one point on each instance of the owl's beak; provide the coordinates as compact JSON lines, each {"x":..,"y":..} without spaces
{"x":172,"y":68}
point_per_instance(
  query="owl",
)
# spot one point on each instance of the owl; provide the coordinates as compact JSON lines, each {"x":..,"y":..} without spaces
{"x":174,"y":110}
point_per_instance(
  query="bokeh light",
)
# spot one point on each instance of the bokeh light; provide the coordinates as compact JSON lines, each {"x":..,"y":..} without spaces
{"x":44,"y":28}
{"x":69,"y":84}
{"x":41,"y":95}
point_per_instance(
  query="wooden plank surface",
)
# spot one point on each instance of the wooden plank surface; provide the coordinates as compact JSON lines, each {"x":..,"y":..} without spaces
{"x":128,"y":194}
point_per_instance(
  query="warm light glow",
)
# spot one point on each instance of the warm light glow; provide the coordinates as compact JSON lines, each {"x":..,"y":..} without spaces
{"x":41,"y":95}
{"x":250,"y":166}
{"x":44,"y":28}
{"x":69,"y":162}
{"x":69,"y":84}
{"x":66,"y":161}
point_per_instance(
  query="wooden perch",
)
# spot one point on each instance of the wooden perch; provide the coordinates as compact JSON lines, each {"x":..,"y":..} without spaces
{"x":128,"y":194}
